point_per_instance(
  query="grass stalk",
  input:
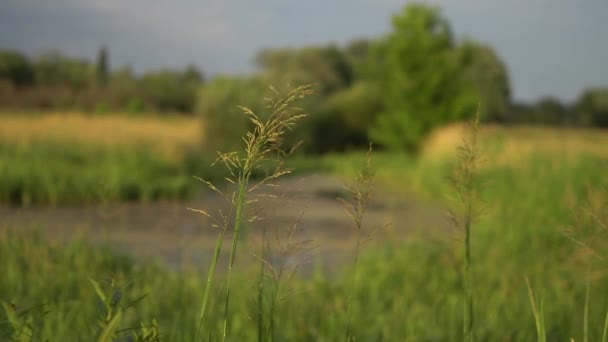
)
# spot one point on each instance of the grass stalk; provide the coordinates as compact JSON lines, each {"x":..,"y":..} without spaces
{"x":361,"y":192}
{"x":244,"y":180}
{"x":210,"y":275}
{"x":464,"y":182}
{"x":260,"y":301}
{"x":586,"y":313}
{"x":261,"y":143}
{"x":605,"y":333}
{"x":538,"y":312}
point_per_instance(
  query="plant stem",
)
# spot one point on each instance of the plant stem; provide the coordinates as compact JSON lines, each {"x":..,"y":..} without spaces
{"x":605,"y":334}
{"x":240,"y":203}
{"x":353,"y":288}
{"x":216,"y":253}
{"x":586,"y":313}
{"x":261,"y":291}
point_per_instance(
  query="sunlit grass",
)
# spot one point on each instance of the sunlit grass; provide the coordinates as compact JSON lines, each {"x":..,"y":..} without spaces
{"x":405,"y":291}
{"x":168,"y":135}
{"x":52,"y":158}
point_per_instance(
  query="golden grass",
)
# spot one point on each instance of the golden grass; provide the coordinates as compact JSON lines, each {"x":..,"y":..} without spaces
{"x":167,"y":134}
{"x":510,"y":144}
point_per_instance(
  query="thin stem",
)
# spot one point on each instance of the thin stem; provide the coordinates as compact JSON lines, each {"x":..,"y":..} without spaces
{"x":586,"y":313}
{"x":216,"y":253}
{"x":261,"y":291}
{"x":467,"y":192}
{"x":353,"y":288}
{"x":240,"y":203}
{"x":539,"y":317}
{"x":605,"y":334}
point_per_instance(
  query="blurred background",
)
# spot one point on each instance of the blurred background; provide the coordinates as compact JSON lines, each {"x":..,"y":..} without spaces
{"x":108,"y":109}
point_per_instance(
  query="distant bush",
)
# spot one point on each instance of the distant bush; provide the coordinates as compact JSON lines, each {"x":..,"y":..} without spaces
{"x":345,"y":118}
{"x":223,"y":121}
{"x":592,"y":107}
{"x":54,"y":81}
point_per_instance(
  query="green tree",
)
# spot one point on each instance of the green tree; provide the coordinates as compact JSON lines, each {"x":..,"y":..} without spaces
{"x":419,"y":70}
{"x":549,"y":110}
{"x":170,"y":90}
{"x":326,"y":66}
{"x":490,"y":78}
{"x":345,"y":118}
{"x":592,"y":107}
{"x":15,"y":68}
{"x":54,"y":69}
{"x":103,"y":65}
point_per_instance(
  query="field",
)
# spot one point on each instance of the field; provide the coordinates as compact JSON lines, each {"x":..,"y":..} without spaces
{"x":540,"y":193}
{"x":71,"y":157}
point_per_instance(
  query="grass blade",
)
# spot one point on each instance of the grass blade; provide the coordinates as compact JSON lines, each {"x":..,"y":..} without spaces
{"x":539,"y":314}
{"x":605,"y":333}
{"x":586,"y":313}
{"x":210,"y":275}
{"x":108,"y":331}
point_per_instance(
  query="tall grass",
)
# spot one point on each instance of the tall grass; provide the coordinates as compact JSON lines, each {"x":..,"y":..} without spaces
{"x":360,"y":192}
{"x":74,"y":158}
{"x":465,"y":183}
{"x":262,"y":144}
{"x":409,"y":290}
{"x":56,"y":173}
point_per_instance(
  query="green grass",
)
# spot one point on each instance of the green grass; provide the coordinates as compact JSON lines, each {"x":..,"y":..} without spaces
{"x":536,"y":255}
{"x":531,"y":209}
{"x":47,"y":172}
{"x":408,"y":292}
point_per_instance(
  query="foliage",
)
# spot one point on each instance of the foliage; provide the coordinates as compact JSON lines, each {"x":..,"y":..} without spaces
{"x":419,"y":69}
{"x":225,"y":123}
{"x":171,"y":90}
{"x":55,"y":81}
{"x":490,"y":78}
{"x":15,"y":68}
{"x":325,"y":66}
{"x":345,"y":118}
{"x":592,"y":107}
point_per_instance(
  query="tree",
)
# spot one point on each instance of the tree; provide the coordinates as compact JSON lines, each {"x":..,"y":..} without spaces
{"x":16,"y":68}
{"x":171,"y":90}
{"x":345,"y":119}
{"x":54,"y":69}
{"x":103,"y":65}
{"x":419,"y":70}
{"x":490,"y":78}
{"x":325,"y":66}
{"x":592,"y":107}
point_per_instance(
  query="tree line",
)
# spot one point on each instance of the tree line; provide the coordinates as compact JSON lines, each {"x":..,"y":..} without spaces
{"x":391,"y":89}
{"x":53,"y":81}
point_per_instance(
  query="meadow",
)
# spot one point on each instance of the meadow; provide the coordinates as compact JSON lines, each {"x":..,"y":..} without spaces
{"x":538,"y":236}
{"x":55,"y":158}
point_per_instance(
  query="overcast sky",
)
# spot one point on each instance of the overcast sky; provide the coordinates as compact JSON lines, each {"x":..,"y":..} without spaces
{"x":551,"y":47}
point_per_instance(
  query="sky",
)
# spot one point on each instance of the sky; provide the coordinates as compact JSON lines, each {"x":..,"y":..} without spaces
{"x":551,"y":47}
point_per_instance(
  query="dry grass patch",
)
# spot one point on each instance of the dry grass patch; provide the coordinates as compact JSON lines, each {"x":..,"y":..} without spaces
{"x":167,"y":134}
{"x":508,"y":145}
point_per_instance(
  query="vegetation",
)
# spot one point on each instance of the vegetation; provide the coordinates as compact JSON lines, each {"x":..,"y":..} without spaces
{"x":57,"y":82}
{"x":75,"y":158}
{"x":421,"y":78}
{"x":542,"y":222}
{"x":525,"y":256}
